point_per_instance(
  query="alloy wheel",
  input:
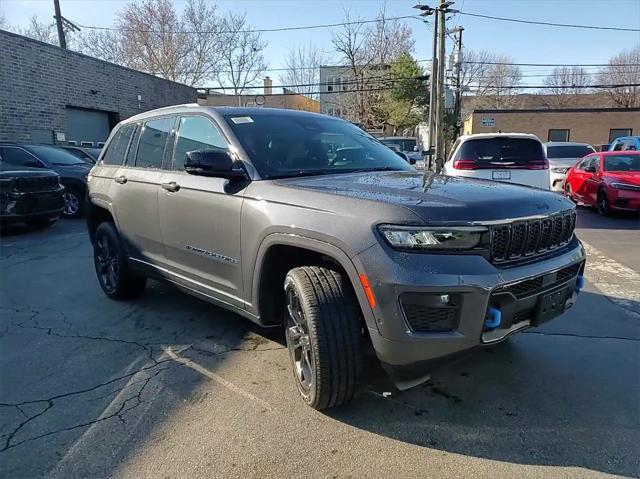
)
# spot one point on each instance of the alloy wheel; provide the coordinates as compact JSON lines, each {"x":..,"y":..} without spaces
{"x":71,"y":204}
{"x":299,"y":342}
{"x":107,"y":263}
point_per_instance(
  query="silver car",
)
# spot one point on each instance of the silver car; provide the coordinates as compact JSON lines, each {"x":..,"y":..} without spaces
{"x":562,"y":155}
{"x":305,"y":222}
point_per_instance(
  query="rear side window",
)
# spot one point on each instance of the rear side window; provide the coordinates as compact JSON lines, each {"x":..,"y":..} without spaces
{"x":153,"y":141}
{"x":117,"y":148}
{"x":519,"y":151}
{"x":569,"y":151}
{"x":133,"y":146}
{"x":196,"y":133}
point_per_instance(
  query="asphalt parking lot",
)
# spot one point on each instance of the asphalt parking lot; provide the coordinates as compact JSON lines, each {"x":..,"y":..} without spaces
{"x":169,"y":386}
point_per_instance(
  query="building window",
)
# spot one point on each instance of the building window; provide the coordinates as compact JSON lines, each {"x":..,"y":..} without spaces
{"x":618,"y":132}
{"x":330,"y":81}
{"x":558,"y":135}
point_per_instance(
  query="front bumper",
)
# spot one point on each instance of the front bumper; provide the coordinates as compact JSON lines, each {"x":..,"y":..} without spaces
{"x":25,"y":206}
{"x":625,"y":200}
{"x":471,"y":284}
{"x":556,"y":180}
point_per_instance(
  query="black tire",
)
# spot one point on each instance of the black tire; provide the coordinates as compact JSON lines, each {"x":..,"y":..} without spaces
{"x":567,"y":193}
{"x":602,"y":204}
{"x":329,"y":318}
{"x":73,"y":202}
{"x":42,"y":223}
{"x":112,"y":267}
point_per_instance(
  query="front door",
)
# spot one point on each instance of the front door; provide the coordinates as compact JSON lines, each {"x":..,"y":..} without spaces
{"x":592,"y":182}
{"x":200,"y":218}
{"x":135,"y":198}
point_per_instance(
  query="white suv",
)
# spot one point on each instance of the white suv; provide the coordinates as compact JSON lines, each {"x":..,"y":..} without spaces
{"x":511,"y":157}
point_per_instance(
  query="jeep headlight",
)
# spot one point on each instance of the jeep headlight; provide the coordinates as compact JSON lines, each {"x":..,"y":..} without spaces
{"x":433,"y":238}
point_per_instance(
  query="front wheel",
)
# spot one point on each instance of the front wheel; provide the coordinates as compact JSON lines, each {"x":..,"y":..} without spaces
{"x":112,"y":267}
{"x":73,"y":203}
{"x":323,"y":336}
{"x":603,"y":204}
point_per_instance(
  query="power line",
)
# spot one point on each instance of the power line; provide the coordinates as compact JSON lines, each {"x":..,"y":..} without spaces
{"x":577,"y":87}
{"x":256,"y":30}
{"x":550,"y":24}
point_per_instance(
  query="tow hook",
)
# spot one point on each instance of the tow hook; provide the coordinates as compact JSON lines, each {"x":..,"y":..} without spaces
{"x":580,"y":283}
{"x":494,"y":318}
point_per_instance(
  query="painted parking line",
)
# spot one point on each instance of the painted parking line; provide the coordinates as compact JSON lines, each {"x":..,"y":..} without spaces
{"x":619,"y":283}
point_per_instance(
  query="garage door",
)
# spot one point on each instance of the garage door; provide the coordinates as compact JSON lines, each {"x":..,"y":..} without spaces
{"x":87,"y":127}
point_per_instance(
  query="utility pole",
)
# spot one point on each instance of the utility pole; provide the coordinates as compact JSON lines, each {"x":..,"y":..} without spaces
{"x":426,"y":11}
{"x":458,"y":66}
{"x":61,"y":39}
{"x":439,"y":130}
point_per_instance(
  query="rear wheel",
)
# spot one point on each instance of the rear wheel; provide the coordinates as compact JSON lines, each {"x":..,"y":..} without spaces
{"x":323,"y":336}
{"x":603,"y":203}
{"x":112,"y":267}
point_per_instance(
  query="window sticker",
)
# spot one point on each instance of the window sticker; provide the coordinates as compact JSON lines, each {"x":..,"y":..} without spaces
{"x":238,"y":120}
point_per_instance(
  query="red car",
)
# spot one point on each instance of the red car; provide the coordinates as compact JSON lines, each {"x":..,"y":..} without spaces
{"x":608,"y":180}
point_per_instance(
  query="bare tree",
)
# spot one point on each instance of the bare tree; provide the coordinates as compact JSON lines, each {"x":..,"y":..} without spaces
{"x":564,"y":83}
{"x":242,"y":61}
{"x":103,"y":44}
{"x":4,"y":23}
{"x":499,"y":83}
{"x":154,"y":38}
{"x":387,"y":39}
{"x":474,"y":68}
{"x":303,"y":69}
{"x":623,"y":69}
{"x":41,"y":31}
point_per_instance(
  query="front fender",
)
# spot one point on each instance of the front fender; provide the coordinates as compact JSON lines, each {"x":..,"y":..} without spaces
{"x":350,"y":265}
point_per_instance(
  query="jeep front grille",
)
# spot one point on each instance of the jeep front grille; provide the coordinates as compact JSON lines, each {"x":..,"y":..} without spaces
{"x":36,"y":183}
{"x":529,"y":238}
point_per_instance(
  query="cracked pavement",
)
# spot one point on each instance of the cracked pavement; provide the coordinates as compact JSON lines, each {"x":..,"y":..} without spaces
{"x":170,"y":386}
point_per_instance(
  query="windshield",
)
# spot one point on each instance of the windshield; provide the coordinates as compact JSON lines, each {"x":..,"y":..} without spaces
{"x":296,"y":145}
{"x":519,"y":151}
{"x":622,"y":163}
{"x":402,"y":144}
{"x":569,"y":151}
{"x":56,"y":156}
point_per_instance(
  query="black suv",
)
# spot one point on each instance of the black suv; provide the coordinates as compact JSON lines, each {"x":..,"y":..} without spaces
{"x":72,"y":170}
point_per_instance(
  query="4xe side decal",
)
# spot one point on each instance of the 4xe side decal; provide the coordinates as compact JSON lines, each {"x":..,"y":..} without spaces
{"x":212,"y":255}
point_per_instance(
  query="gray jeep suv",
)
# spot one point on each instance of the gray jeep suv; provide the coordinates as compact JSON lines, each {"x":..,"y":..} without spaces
{"x":306,"y":222}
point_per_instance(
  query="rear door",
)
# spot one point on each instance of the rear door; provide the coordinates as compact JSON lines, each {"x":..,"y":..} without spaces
{"x":200,"y":217}
{"x":135,"y":198}
{"x":503,"y":158}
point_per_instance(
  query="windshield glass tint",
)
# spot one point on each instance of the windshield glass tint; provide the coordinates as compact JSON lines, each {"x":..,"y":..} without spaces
{"x":569,"y":151}
{"x":501,"y":150}
{"x":622,"y":163}
{"x":298,"y":144}
{"x":56,"y":156}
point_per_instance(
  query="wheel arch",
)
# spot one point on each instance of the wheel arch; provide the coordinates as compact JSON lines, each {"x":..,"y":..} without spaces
{"x":279,"y":253}
{"x":96,"y":214}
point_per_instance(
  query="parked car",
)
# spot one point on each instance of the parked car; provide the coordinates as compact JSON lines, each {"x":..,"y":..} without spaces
{"x":349,"y":249}
{"x":72,"y":170}
{"x":89,"y":155}
{"x":29,"y":195}
{"x":604,"y":147}
{"x":562,"y":156}
{"x":510,"y":157}
{"x":607,"y":180}
{"x":625,"y":143}
{"x":407,"y":145}
{"x":401,"y":154}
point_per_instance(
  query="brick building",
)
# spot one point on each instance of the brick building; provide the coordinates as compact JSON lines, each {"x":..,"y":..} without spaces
{"x":589,"y":125}
{"x":53,"y":95}
{"x":287,"y":99}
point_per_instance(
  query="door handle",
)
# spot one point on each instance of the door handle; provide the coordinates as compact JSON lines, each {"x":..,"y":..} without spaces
{"x":171,"y":186}
{"x":120,"y":179}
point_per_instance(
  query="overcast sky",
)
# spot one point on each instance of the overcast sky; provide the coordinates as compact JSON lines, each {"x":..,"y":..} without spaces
{"x":525,"y":43}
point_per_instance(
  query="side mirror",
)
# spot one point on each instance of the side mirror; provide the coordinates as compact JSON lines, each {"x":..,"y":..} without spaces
{"x":590,"y":169}
{"x":415,"y":148}
{"x":213,"y":162}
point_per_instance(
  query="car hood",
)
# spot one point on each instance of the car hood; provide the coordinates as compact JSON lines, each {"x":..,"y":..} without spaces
{"x":11,"y":171}
{"x":438,"y":198}
{"x":631,"y":177}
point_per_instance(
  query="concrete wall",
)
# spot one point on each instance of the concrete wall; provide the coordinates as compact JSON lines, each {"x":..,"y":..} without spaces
{"x":586,"y":125}
{"x":38,"y":82}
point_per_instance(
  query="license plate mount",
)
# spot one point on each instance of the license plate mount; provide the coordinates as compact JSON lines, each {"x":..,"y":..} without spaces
{"x":501,"y":175}
{"x":552,"y":304}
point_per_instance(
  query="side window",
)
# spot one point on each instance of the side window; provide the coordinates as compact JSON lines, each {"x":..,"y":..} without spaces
{"x":19,"y":157}
{"x":195,"y":133}
{"x":584,"y":162}
{"x":454,"y":148}
{"x":153,"y":140}
{"x":595,"y":162}
{"x":617,"y":146}
{"x":117,"y":148}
